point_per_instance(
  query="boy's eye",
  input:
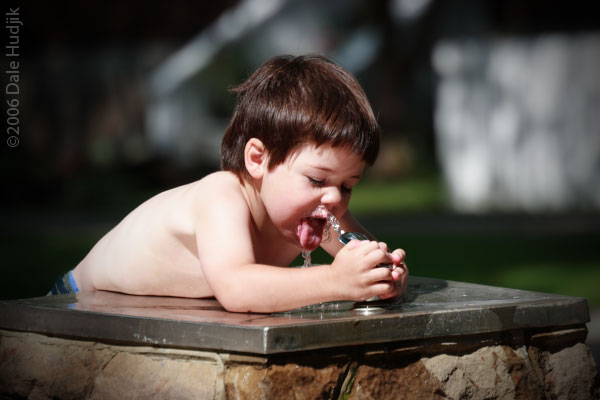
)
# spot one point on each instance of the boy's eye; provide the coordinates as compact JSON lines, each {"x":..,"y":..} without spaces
{"x":319,"y":183}
{"x":316,"y":182}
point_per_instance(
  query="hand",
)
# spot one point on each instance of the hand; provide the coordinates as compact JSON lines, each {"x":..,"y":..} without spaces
{"x":355,"y":274}
{"x":399,"y":275}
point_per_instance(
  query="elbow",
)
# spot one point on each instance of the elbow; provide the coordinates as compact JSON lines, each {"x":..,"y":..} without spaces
{"x":230,"y":295}
{"x":234,"y":302}
{"x":241,"y":304}
{"x":233,"y":306}
{"x":238,"y":297}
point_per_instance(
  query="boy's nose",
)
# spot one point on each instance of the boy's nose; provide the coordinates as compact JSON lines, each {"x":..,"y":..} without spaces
{"x":332,"y":196}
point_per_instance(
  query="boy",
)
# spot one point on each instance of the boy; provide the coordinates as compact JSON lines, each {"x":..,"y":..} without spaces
{"x":301,"y":134}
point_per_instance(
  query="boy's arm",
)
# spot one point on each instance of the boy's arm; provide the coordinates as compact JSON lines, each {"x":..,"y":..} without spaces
{"x":225,"y":248}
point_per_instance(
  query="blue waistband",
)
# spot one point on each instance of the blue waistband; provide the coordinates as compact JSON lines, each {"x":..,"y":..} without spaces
{"x":64,"y":284}
{"x":72,"y":282}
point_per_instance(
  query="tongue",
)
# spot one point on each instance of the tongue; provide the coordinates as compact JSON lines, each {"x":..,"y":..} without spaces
{"x":310,"y":232}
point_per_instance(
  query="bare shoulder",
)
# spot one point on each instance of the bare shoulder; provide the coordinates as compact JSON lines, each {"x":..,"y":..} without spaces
{"x":219,"y":194}
{"x":221,"y":180}
{"x":217,"y":188}
{"x":179,"y":210}
{"x":222,"y":215}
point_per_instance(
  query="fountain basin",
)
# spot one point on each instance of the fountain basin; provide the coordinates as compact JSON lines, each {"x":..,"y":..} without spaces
{"x":431,"y":308}
{"x":116,"y":344}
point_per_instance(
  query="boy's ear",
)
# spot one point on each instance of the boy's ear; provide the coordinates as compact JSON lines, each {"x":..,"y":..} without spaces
{"x":255,"y":158}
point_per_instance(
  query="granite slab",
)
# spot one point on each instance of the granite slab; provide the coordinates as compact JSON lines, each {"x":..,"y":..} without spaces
{"x":431,"y":308}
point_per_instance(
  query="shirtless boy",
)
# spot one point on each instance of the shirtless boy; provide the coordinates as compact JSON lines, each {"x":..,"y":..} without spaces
{"x":301,"y":134}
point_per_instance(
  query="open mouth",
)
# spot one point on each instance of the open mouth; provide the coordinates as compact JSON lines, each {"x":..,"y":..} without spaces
{"x":310,"y":232}
{"x":310,"y":229}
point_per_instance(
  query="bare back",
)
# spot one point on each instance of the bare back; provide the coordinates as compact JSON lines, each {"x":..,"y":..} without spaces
{"x":153,"y":251}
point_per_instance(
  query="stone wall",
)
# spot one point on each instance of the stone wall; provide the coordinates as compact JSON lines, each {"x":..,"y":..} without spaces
{"x":530,"y":365}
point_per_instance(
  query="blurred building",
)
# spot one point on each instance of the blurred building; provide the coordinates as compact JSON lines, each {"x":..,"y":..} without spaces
{"x":500,"y":95}
{"x":518,"y":121}
{"x":188,"y":104}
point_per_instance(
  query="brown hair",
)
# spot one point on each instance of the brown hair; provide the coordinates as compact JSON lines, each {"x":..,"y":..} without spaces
{"x":290,"y":101}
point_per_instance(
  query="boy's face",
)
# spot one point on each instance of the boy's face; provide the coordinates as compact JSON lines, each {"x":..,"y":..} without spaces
{"x":309,"y":177}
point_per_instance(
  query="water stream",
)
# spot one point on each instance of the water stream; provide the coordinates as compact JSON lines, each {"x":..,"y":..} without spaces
{"x":306,"y":257}
{"x":372,"y":305}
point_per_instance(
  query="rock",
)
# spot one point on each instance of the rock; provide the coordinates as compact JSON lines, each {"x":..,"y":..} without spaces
{"x":571,"y":374}
{"x":35,"y":366}
{"x":498,"y":372}
{"x":145,"y":376}
{"x":40,"y":367}
{"x":385,"y":381}
{"x":288,"y":381}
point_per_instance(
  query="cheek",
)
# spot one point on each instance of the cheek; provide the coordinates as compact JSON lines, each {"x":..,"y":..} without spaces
{"x":288,"y":197}
{"x":282,"y":203}
{"x":291,"y":206}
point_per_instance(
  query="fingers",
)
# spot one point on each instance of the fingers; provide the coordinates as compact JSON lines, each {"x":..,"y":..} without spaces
{"x":385,"y":296}
{"x":355,"y":243}
{"x":399,"y":282}
{"x":368,"y":246}
{"x":382,"y":245}
{"x":384,"y":290}
{"x":397,"y":275}
{"x":379,"y":275}
{"x":385,"y":283}
{"x":401,"y":253}
{"x":372,"y":253}
{"x":396,"y":257}
{"x":361,"y":249}
{"x":366,"y":255}
{"x":399,"y":271}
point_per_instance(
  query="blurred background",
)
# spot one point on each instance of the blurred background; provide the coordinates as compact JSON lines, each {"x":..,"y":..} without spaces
{"x":490,"y":111}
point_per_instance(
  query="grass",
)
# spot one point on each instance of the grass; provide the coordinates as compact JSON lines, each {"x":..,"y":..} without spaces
{"x":563,"y":264}
{"x":420,"y":193}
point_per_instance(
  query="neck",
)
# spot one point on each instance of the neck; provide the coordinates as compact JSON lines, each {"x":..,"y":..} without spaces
{"x":264,"y":231}
{"x":260,"y":217}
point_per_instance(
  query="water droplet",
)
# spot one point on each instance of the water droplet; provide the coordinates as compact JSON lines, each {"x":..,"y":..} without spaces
{"x":306,"y":257}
